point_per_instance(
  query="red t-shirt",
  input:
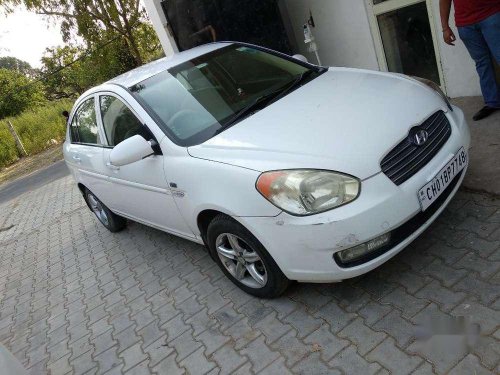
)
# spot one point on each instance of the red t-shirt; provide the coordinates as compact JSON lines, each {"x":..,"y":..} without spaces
{"x":469,"y":12}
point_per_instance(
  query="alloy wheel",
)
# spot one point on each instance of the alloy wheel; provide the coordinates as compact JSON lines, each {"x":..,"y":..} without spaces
{"x":96,"y":206}
{"x":241,"y":261}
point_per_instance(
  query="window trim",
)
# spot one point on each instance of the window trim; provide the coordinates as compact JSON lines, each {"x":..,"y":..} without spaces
{"x":101,"y":123}
{"x":75,"y":113}
{"x":98,"y":94}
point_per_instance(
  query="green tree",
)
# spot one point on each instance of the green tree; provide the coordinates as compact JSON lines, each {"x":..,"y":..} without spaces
{"x":20,"y":66}
{"x":69,"y":70}
{"x":63,"y":80}
{"x":17,"y":93}
{"x":99,"y":20}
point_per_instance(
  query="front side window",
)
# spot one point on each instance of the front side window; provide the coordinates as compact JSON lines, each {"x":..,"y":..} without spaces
{"x":84,"y":125}
{"x":118,"y":120}
{"x":203,"y":96}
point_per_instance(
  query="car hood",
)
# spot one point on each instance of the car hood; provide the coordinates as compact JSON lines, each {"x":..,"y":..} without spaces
{"x":345,"y":120}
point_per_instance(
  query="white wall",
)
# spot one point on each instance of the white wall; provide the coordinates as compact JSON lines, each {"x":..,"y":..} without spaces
{"x":344,"y":38}
{"x":459,"y":71}
{"x":342,"y":31}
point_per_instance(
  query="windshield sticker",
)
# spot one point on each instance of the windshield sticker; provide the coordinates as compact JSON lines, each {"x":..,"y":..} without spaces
{"x":246,"y":49}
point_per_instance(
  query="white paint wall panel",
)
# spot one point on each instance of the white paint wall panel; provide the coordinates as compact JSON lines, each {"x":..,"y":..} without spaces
{"x":342,"y":31}
{"x":459,"y":70}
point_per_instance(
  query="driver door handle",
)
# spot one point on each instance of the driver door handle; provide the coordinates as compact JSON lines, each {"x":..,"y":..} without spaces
{"x":113,"y":167}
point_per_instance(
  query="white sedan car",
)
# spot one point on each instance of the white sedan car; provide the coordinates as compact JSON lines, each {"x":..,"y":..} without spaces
{"x":283,"y":169}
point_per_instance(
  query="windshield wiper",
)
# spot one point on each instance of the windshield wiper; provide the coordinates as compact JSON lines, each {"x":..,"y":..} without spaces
{"x":248,"y":109}
{"x":261,"y":100}
{"x":292,"y":85}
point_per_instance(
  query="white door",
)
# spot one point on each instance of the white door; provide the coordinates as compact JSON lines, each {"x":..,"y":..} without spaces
{"x":405,"y":37}
{"x":86,"y":149}
{"x":139,"y":190}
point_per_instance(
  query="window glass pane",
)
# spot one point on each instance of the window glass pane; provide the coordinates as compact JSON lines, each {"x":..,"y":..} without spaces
{"x":255,"y":66}
{"x":408,"y":44}
{"x":197,"y":98}
{"x":196,"y":22}
{"x":87,"y":124}
{"x":118,"y":120}
{"x":74,"y":130}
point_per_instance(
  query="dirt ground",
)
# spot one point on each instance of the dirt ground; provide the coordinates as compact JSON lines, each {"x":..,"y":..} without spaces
{"x":30,"y":164}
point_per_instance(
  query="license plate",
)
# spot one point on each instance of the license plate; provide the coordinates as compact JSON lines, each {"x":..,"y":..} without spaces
{"x":434,"y":188}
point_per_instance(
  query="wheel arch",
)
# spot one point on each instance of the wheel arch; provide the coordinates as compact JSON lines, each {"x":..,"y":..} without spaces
{"x":203,"y":220}
{"x":82,"y":189}
{"x":207,"y":214}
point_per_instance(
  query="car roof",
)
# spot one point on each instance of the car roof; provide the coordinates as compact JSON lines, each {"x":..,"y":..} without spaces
{"x":148,"y":70}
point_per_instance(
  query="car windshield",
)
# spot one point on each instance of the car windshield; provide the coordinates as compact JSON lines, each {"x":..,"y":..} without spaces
{"x":202,"y":97}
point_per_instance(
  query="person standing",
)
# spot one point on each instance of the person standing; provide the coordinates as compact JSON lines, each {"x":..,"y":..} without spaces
{"x":478,"y":23}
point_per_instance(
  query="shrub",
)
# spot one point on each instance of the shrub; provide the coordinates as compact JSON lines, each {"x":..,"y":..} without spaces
{"x":18,"y":93}
{"x":36,"y":128}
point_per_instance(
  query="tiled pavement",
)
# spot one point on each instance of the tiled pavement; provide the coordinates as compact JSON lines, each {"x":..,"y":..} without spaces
{"x":78,"y":299}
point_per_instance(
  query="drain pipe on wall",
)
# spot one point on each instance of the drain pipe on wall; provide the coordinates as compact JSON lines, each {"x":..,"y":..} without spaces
{"x":309,"y":37}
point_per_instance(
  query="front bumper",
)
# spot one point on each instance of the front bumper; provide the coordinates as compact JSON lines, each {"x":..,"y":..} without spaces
{"x":303,"y":247}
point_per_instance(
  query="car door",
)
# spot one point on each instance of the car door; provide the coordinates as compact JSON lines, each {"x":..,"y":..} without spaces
{"x":139,"y":190}
{"x":85,"y":150}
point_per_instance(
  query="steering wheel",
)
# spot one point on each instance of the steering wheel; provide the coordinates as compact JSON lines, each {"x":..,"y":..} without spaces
{"x":186,"y":119}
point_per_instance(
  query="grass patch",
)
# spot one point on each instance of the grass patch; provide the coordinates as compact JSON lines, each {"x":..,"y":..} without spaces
{"x":36,"y":128}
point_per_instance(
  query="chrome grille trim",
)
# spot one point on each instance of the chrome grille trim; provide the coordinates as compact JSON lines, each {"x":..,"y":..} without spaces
{"x":406,"y":158}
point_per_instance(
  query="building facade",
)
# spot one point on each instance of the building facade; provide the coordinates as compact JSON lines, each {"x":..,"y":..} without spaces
{"x":390,"y":35}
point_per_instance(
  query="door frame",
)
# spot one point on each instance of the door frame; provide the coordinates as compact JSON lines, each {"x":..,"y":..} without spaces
{"x":375,"y":10}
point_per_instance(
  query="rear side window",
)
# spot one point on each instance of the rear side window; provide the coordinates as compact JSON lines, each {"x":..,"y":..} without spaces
{"x":84,"y":125}
{"x":119,"y":121}
{"x":74,"y":131}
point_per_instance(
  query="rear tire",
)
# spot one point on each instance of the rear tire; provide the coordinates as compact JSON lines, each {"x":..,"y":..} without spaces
{"x":243,"y":259}
{"x":111,"y":221}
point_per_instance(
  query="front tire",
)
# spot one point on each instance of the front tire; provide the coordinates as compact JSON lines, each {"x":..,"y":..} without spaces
{"x":243,"y":259}
{"x":111,"y":221}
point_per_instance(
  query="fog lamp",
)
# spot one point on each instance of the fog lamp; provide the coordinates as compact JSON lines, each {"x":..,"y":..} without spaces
{"x":354,"y":253}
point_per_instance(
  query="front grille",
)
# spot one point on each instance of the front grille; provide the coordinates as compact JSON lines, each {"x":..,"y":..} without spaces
{"x":405,"y":230}
{"x":407,"y":158}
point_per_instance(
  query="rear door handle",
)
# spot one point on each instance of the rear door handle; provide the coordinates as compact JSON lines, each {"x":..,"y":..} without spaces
{"x":113,"y":167}
{"x":77,"y":158}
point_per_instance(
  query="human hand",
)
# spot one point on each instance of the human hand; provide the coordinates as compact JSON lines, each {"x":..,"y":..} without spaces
{"x":449,"y":36}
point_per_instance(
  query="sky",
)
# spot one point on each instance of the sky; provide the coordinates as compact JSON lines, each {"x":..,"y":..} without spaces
{"x":25,"y":35}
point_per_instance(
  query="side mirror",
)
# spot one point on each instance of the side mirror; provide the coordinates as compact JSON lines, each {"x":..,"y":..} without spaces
{"x":301,"y":58}
{"x":130,"y":150}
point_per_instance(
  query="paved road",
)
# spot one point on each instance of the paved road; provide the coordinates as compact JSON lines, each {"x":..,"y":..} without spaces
{"x":484,"y":171}
{"x":77,"y":299}
{"x":32,"y":182}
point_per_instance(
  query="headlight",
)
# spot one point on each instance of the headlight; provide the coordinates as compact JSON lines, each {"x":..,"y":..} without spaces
{"x":435,"y":87}
{"x":307,"y":191}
